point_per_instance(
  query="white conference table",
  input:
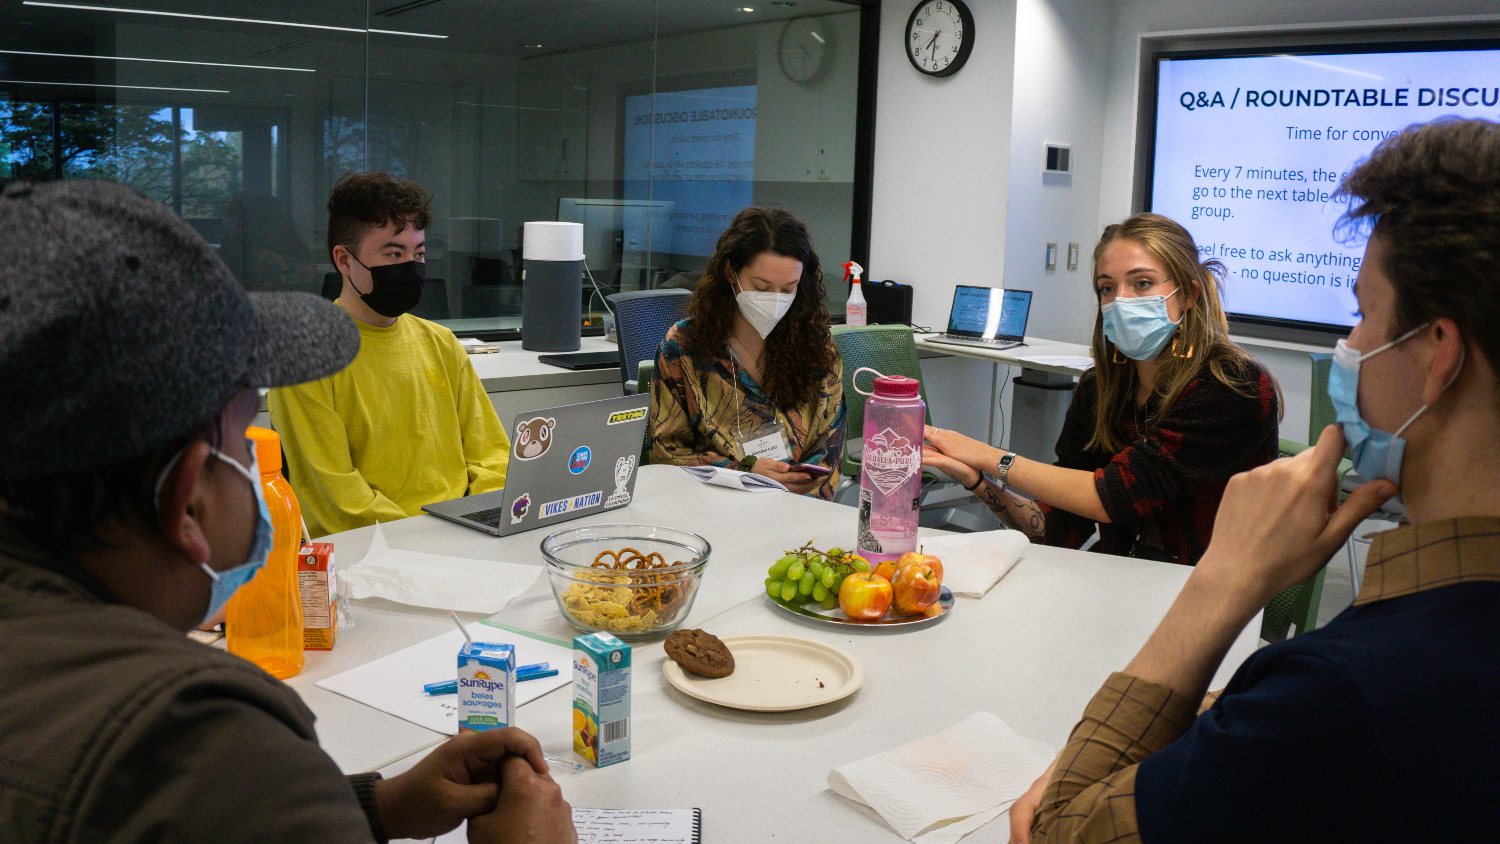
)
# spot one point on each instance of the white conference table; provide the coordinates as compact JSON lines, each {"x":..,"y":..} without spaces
{"x":1032,"y":651}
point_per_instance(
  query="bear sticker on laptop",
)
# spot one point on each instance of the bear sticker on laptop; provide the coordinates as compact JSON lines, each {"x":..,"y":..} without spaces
{"x":534,"y":437}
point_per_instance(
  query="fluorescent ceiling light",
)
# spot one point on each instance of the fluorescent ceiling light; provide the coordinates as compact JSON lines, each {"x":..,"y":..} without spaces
{"x":125,"y":11}
{"x":102,"y":85}
{"x":159,"y":61}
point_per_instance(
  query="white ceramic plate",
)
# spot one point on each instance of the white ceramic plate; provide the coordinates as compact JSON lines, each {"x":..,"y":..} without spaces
{"x":774,"y":674}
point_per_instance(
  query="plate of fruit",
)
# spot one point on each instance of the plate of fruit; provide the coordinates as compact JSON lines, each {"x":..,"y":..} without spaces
{"x":840,"y":587}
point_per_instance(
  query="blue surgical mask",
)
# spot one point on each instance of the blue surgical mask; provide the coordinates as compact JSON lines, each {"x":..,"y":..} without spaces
{"x":1376,"y":454}
{"x":1138,"y":325}
{"x":229,"y":581}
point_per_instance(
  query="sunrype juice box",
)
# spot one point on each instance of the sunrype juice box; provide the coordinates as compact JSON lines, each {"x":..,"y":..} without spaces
{"x":486,"y":685}
{"x":601,"y":699}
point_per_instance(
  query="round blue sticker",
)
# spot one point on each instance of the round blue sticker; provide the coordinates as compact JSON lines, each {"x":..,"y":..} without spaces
{"x":580,"y":460}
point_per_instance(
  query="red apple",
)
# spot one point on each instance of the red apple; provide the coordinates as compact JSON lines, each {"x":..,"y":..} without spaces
{"x":865,"y":596}
{"x":916,"y":588}
{"x":918,"y":557}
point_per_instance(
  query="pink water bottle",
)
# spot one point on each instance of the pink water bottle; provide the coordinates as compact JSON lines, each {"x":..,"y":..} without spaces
{"x":890,"y":483}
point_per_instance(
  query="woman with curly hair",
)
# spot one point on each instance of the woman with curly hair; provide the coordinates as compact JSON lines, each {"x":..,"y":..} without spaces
{"x":751,"y":379}
{"x":1171,"y":410}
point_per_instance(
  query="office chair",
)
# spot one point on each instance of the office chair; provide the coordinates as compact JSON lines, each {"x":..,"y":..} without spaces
{"x":642,"y":319}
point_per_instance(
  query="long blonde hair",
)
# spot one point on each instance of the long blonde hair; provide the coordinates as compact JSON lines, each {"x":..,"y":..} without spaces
{"x":1201,"y":339}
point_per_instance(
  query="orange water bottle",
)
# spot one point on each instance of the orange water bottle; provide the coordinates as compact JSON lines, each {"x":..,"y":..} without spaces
{"x":263,"y":622}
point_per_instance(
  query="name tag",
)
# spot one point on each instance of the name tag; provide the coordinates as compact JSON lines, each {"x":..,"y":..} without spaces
{"x":772,"y":445}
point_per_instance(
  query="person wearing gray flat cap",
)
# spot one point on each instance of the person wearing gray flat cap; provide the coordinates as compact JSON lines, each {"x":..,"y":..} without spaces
{"x":129,"y":366}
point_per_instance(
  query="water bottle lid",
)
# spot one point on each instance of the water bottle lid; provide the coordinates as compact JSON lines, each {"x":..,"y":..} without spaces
{"x":896,"y":387}
{"x":267,"y":448}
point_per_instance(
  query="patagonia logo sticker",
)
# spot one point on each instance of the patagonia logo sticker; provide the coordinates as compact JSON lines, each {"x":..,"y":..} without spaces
{"x":520,"y":508}
{"x":624,"y":467}
{"x":620,"y":417}
{"x":534,"y":437}
{"x":580,"y":460}
{"x":569,"y":505}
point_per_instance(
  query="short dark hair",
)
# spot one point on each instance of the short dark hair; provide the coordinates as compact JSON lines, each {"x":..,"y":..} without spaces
{"x":1432,"y":195}
{"x":66,"y":513}
{"x":360,"y":202}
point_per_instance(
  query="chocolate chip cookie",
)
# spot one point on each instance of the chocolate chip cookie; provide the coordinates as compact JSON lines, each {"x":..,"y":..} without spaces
{"x":700,"y":652}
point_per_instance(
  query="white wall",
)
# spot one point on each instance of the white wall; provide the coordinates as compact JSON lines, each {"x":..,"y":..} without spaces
{"x":1060,"y":57}
{"x":941,"y":171}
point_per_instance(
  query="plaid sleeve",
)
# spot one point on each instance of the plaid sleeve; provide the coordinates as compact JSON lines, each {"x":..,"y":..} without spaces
{"x":1091,"y":796}
{"x":826,"y":431}
{"x":1210,"y":433}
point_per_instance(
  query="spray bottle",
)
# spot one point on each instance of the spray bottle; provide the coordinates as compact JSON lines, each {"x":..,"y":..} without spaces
{"x":856,"y":312}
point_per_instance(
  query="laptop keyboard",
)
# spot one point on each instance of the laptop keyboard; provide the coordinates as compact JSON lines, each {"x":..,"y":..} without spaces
{"x":490,"y":517}
{"x":988,"y":343}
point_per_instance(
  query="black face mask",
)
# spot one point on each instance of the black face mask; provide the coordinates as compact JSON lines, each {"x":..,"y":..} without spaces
{"x":394,"y":288}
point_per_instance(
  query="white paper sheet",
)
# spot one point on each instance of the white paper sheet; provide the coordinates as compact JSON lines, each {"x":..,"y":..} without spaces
{"x":975,"y":562}
{"x":393,"y":684}
{"x":734,"y":479}
{"x":939,"y":788}
{"x":433,"y":580}
{"x":617,"y":826}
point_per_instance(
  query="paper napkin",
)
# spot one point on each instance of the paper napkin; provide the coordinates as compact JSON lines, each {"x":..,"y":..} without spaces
{"x":974,"y":562}
{"x":733,"y":478}
{"x":937,"y":789}
{"x":433,"y":580}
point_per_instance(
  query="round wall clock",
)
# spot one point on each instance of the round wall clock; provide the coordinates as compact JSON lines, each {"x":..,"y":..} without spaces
{"x":939,"y":36}
{"x":803,"y":47}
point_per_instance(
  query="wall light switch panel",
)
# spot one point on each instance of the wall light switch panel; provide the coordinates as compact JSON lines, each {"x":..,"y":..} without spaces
{"x":1051,"y":257}
{"x":1072,"y":256}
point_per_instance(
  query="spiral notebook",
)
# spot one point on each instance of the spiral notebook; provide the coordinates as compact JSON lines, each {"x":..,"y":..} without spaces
{"x":623,"y":826}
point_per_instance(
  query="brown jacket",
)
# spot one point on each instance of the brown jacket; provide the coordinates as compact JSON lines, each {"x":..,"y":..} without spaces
{"x":115,"y":727}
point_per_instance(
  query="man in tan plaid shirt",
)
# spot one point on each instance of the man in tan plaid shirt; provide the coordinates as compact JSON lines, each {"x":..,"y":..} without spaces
{"x":1384,"y":725}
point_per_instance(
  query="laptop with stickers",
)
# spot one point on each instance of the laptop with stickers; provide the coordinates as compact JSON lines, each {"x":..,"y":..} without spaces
{"x":565,"y":462}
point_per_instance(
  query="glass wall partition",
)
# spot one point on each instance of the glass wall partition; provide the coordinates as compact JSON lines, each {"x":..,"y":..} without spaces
{"x":649,"y":121}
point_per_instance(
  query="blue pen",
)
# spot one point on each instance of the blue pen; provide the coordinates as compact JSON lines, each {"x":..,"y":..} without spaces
{"x":534,"y":671}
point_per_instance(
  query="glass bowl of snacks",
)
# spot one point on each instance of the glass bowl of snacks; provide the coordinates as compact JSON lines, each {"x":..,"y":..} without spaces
{"x":630,"y":580}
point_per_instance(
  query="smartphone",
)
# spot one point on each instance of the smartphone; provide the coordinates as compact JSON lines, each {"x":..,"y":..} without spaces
{"x":813,"y":469}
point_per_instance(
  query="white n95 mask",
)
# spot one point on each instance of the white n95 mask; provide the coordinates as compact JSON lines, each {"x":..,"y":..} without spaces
{"x":763,"y":310}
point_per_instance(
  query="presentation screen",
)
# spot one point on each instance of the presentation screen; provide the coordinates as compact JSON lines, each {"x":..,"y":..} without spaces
{"x":1249,"y":147}
{"x":698,"y":148}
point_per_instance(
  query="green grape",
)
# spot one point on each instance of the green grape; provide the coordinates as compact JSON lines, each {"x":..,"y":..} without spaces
{"x":860,"y":564}
{"x":819,"y":593}
{"x":805,"y":585}
{"x":778,"y":568}
{"x":829,"y":602}
{"x":788,"y":590}
{"x":773,"y":587}
{"x":796,"y":570}
{"x":828,"y":577}
{"x":817,"y":568}
{"x":835,"y":553}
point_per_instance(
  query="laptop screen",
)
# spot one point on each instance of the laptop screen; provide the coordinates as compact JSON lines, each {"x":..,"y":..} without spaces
{"x":989,"y":312}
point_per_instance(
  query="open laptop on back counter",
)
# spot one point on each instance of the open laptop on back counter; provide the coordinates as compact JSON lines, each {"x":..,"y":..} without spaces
{"x":987,"y":317}
{"x":565,"y":462}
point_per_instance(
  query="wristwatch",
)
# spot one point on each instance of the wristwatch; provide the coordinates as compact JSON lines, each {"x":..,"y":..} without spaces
{"x":1002,"y":469}
{"x":747,"y":462}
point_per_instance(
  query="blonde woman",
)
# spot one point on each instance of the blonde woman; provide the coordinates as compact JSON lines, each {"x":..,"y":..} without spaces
{"x":1171,"y":410}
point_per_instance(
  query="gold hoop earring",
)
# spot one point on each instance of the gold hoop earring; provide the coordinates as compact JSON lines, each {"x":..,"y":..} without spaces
{"x":1188,"y":355}
{"x":1115,"y":356}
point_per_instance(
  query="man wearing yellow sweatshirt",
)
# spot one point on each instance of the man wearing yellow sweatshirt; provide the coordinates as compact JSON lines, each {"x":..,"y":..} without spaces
{"x":407,"y":423}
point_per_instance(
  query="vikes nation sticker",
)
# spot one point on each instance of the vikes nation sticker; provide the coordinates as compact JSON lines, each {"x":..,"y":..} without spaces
{"x":620,"y":417}
{"x":569,"y":505}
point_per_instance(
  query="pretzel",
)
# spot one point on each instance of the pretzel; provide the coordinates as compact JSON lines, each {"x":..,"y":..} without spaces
{"x":629,"y":596}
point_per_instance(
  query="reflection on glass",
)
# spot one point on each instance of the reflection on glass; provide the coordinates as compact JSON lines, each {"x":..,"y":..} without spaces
{"x":652,"y":126}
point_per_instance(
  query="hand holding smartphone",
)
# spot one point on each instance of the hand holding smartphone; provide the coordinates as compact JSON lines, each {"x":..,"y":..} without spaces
{"x":814,"y":469}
